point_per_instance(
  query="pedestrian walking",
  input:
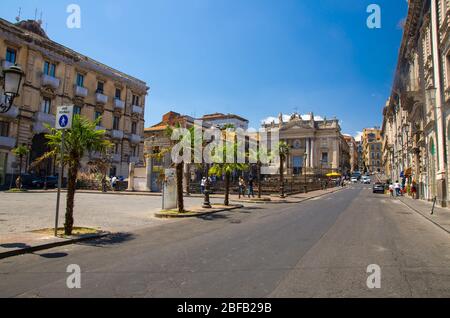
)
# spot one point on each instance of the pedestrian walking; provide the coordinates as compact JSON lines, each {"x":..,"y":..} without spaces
{"x":113,"y":183}
{"x":398,"y":188}
{"x":203,"y":185}
{"x":241,"y":187}
{"x":250,"y":187}
{"x":391,"y":189}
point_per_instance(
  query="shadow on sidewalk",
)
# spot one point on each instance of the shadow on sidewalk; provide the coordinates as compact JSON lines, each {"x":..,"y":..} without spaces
{"x":112,"y":239}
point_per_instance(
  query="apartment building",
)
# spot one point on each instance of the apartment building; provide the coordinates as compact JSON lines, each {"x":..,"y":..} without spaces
{"x":56,"y":75}
{"x":372,"y":150}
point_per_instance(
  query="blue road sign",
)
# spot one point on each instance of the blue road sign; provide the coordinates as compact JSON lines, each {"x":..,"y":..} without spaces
{"x":63,"y":121}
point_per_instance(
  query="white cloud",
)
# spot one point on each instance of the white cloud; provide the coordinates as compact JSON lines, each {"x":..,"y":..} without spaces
{"x":358,"y":136}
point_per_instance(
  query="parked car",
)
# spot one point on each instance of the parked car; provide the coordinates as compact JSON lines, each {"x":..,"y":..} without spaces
{"x":378,"y":188}
{"x":354,"y":180}
{"x":52,"y":182}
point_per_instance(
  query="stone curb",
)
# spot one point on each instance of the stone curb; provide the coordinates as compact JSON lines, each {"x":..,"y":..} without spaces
{"x":40,"y":247}
{"x":162,"y":215}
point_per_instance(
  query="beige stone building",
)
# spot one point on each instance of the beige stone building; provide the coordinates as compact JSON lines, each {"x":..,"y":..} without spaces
{"x":353,"y":152}
{"x":416,"y":118}
{"x":317,"y":145}
{"x":372,"y":150}
{"x":56,"y":75}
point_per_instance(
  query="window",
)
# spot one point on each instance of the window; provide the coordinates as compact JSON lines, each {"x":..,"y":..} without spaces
{"x":133,"y":127}
{"x":113,"y":171}
{"x":116,"y":149}
{"x":97,"y":115}
{"x":324,"y":158}
{"x":46,"y":105}
{"x":100,"y":86}
{"x":116,"y":122}
{"x":11,"y":55}
{"x":133,"y":151}
{"x":80,"y":80}
{"x":49,"y":69}
{"x":135,"y":100}
{"x":77,"y":110}
{"x":4,"y":128}
{"x":118,"y":93}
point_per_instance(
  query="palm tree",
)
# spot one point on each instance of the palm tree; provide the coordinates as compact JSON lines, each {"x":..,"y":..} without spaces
{"x":20,"y":151}
{"x":179,"y":167}
{"x":283,"y":150}
{"x":82,"y":138}
{"x":222,"y":168}
{"x":101,"y":166}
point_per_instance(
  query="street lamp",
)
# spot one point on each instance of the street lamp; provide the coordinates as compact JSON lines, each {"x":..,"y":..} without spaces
{"x":12,"y":77}
{"x":305,"y":157}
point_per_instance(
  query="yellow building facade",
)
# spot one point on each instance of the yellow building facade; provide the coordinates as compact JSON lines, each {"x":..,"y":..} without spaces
{"x":55,"y":76}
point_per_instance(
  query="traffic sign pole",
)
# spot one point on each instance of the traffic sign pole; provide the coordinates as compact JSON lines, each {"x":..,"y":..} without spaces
{"x":64,"y":116}
{"x":58,"y":196}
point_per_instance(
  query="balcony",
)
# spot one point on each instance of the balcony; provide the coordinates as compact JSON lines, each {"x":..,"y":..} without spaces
{"x":41,"y":119}
{"x":135,"y":139}
{"x":100,"y":98}
{"x":118,"y":104}
{"x":117,"y":134}
{"x":99,"y":127}
{"x":44,"y":118}
{"x":136,"y":109}
{"x":95,"y":155}
{"x":50,"y":81}
{"x":116,"y":158}
{"x":7,"y":142}
{"x":134,"y":159}
{"x":6,"y":64}
{"x":80,"y":91}
{"x":12,"y":113}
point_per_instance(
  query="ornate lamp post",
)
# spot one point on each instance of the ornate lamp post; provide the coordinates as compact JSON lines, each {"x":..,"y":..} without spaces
{"x":206,"y":202}
{"x":305,"y":157}
{"x":12,"y":77}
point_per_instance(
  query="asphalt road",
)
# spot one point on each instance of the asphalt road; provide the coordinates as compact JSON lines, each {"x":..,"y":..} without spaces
{"x":318,"y":248}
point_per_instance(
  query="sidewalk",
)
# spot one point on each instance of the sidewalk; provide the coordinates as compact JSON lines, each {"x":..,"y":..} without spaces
{"x":441,"y":216}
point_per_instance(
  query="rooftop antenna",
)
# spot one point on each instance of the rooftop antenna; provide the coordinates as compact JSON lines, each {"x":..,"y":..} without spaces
{"x":40,"y":19}
{"x":18,"y":16}
{"x":35,"y":14}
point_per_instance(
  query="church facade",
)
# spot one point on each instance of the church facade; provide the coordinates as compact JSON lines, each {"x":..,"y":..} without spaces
{"x":316,"y":145}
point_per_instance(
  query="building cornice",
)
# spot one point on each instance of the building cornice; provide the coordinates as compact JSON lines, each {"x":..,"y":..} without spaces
{"x":63,"y":54}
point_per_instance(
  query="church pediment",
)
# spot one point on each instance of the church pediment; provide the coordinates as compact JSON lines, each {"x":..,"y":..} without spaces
{"x":297,"y":125}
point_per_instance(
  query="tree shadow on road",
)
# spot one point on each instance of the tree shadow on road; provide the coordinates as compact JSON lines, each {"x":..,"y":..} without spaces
{"x":109,"y":240}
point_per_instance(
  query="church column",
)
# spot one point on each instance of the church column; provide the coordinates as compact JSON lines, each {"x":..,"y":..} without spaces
{"x":308,"y":153}
{"x":312,"y":153}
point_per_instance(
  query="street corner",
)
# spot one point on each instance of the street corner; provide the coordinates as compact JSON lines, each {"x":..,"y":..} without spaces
{"x":28,"y":242}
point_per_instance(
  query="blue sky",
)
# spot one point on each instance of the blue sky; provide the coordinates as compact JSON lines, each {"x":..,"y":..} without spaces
{"x":255,"y":58}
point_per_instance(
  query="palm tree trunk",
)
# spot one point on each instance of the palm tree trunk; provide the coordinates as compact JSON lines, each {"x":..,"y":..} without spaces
{"x":227,"y":189}
{"x":281,"y":177}
{"x":259,"y":180}
{"x":20,"y":172}
{"x":71,"y":187}
{"x":179,"y":172}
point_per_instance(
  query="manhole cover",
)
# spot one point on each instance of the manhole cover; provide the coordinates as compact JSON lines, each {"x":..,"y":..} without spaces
{"x":235,"y":221}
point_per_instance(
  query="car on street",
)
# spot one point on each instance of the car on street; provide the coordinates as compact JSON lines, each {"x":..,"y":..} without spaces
{"x":365,"y":180}
{"x":52,"y":182}
{"x":378,"y":188}
{"x":354,"y":179}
